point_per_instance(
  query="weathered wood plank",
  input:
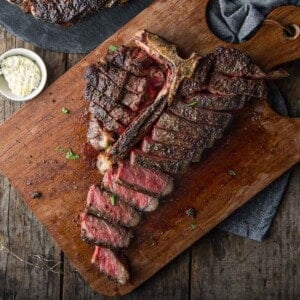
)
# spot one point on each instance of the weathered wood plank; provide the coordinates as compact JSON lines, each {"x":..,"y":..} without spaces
{"x":229,"y":267}
{"x":20,"y":231}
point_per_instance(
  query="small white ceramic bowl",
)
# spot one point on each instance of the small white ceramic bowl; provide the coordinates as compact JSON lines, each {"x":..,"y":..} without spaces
{"x":4,"y":89}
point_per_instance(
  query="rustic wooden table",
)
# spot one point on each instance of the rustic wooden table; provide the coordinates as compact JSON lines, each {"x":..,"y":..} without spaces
{"x":219,"y":266}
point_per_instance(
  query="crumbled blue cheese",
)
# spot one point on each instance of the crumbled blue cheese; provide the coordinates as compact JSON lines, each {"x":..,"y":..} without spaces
{"x":21,"y":74}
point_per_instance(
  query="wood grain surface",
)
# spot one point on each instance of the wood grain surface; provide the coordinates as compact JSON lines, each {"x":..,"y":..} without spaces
{"x":43,"y":165}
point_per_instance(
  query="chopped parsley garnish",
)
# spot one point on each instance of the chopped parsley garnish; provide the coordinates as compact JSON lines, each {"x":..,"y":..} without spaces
{"x":113,"y":48}
{"x":71,"y":155}
{"x":65,"y":110}
{"x":193,"y":103}
{"x":60,"y":149}
{"x":193,"y":226}
{"x":113,"y":199}
{"x":232,"y":173}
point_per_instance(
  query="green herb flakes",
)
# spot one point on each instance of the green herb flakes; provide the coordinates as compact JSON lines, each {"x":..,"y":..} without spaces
{"x":60,"y":149}
{"x":113,"y":199}
{"x":193,"y":226}
{"x":113,"y":48}
{"x":232,"y":173}
{"x":193,"y":103}
{"x":65,"y":111}
{"x":70,"y":155}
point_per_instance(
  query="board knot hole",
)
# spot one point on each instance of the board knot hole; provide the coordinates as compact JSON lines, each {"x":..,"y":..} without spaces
{"x":290,"y":31}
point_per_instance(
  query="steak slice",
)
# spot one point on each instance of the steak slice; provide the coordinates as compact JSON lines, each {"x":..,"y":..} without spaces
{"x":134,"y":198}
{"x":163,"y":164}
{"x":108,"y":122}
{"x":101,"y":233}
{"x":217,"y":102}
{"x":167,"y":150}
{"x":153,"y":183}
{"x":105,"y":205}
{"x":106,"y":261}
{"x":202,"y":116}
{"x":117,"y":75}
{"x":224,"y":85}
{"x":168,"y":121}
{"x":98,"y":137}
{"x":137,"y":129}
{"x":233,"y":62}
{"x":200,"y":78}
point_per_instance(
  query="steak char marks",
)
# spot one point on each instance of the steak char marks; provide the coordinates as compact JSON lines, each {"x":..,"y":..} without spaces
{"x":152,"y":115}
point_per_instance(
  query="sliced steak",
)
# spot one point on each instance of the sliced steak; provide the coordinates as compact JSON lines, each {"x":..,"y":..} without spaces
{"x":106,"y":261}
{"x":163,"y":164}
{"x":202,"y":116}
{"x":153,"y":183}
{"x":99,"y":138}
{"x":108,"y":122}
{"x":137,"y":199}
{"x":105,"y":205}
{"x":167,"y":150}
{"x":217,"y":102}
{"x":101,"y":233}
{"x":224,"y":85}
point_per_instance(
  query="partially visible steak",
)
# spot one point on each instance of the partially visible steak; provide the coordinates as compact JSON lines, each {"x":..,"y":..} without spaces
{"x":106,"y":261}
{"x":217,"y":102}
{"x":154,"y":183}
{"x":144,"y":160}
{"x":101,"y":233}
{"x":105,"y":205}
{"x":167,"y":150}
{"x":225,"y":85}
{"x":202,"y":116}
{"x":137,"y":199}
{"x":99,"y":138}
{"x":136,"y":84}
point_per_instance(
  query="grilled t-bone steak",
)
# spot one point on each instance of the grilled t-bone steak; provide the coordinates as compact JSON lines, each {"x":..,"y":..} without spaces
{"x":152,"y":115}
{"x":65,"y":12}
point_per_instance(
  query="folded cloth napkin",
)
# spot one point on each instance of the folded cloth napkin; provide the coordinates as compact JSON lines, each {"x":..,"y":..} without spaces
{"x":234,"y":21}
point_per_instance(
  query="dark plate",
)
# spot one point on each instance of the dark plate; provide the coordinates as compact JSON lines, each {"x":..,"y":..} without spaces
{"x":80,"y":38}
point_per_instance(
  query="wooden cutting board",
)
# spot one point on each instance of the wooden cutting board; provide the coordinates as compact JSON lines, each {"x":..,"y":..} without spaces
{"x":259,"y":147}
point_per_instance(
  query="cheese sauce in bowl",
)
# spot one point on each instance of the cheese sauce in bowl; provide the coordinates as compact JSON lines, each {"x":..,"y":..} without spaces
{"x":23,"y":74}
